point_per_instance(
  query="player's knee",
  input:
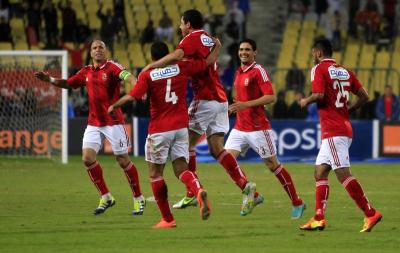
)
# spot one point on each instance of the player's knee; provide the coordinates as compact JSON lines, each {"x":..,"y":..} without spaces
{"x":88,"y":160}
{"x":123,"y":160}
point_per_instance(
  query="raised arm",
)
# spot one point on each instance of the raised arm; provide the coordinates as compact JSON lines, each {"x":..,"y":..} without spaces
{"x":166,"y":60}
{"x":60,"y":83}
{"x":213,"y":56}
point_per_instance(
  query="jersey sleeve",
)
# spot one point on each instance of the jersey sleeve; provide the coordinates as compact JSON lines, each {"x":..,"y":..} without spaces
{"x":317,"y":80}
{"x":355,"y":83}
{"x":264,"y":81}
{"x":188,"y":45}
{"x":116,"y":69}
{"x":141,"y":86}
{"x":77,"y":80}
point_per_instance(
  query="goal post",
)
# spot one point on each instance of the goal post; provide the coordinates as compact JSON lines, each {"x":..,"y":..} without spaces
{"x":33,"y":114}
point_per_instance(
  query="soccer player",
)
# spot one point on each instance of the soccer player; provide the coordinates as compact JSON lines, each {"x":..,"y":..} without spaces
{"x":331,"y":85}
{"x":253,"y":90}
{"x":208,"y":112}
{"x":168,"y":133}
{"x":102,"y":81}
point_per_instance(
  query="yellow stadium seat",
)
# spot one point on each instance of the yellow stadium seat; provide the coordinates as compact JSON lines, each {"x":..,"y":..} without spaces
{"x":338,"y":57}
{"x":202,"y":6}
{"x":217,"y":7}
{"x":367,"y":56}
{"x":153,"y":2}
{"x":6,"y":46}
{"x":382,"y":59}
{"x":351,"y":55}
{"x":21,"y":45}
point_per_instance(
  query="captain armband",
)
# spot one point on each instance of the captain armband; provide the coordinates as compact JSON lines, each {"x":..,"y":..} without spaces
{"x":123,"y":75}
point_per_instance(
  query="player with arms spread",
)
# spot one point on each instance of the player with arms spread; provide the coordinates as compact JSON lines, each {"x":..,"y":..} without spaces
{"x":208,"y":112}
{"x":102,"y":81}
{"x":253,"y":90}
{"x":168,"y":133}
{"x":331,"y":85}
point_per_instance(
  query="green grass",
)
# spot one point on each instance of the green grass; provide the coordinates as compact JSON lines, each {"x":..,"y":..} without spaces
{"x":47,"y":207}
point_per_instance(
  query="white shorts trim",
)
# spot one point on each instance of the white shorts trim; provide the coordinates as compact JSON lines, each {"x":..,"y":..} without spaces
{"x":173,"y":144}
{"x":261,"y":142}
{"x":334,"y":151}
{"x":208,"y":116}
{"x":116,"y":135}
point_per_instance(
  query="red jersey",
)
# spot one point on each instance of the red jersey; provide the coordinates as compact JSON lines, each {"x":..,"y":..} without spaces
{"x":252,"y":83}
{"x":206,"y":85}
{"x":167,"y":90}
{"x":335,"y":82}
{"x":103,"y":88}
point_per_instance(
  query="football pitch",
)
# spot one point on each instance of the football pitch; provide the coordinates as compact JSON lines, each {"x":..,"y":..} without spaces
{"x":47,"y":207}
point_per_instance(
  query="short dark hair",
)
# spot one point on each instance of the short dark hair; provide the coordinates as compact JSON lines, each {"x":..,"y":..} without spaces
{"x":158,"y":50}
{"x":252,"y":43}
{"x":194,"y":17}
{"x":324,"y":45}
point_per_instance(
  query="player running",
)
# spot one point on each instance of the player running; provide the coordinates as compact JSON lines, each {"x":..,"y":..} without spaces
{"x":208,"y":112}
{"x":168,"y":133}
{"x":253,"y":90}
{"x":102,"y":81}
{"x":331,"y":85}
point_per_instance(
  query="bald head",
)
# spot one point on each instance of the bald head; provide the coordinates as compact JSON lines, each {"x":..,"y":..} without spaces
{"x":98,"y":52}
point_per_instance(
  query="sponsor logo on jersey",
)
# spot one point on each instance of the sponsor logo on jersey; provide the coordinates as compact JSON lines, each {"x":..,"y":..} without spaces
{"x":162,"y":73}
{"x":338,"y":73}
{"x":206,"y":41}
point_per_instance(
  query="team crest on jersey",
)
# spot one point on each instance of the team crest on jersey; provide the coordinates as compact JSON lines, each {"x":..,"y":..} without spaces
{"x":338,"y":73}
{"x":246,"y":82}
{"x":162,"y":73}
{"x":206,"y":41}
{"x":104,"y":76}
{"x":87,"y":79}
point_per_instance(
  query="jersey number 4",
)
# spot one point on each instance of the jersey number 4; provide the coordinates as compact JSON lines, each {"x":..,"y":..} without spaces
{"x":342,"y":93}
{"x":170,"y":96}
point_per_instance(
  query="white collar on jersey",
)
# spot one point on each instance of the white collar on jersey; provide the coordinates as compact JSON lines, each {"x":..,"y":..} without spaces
{"x":248,"y":67}
{"x":328,"y":59}
{"x":100,"y":67}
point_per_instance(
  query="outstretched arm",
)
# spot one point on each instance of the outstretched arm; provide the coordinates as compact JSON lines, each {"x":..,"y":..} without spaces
{"x":362,"y":98}
{"x":166,"y":60}
{"x":60,"y":83}
{"x":125,"y":99}
{"x":311,"y":99}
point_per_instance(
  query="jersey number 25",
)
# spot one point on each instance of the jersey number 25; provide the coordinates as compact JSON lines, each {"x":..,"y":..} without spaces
{"x":342,"y":93}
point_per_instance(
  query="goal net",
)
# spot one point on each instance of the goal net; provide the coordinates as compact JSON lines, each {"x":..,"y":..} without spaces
{"x":33,"y":114}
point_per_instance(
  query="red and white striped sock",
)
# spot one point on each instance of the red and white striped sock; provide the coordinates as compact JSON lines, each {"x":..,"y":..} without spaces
{"x":96,"y":175}
{"x":192,"y":168}
{"x":232,"y":167}
{"x":321,"y":198}
{"x":133,"y":179}
{"x":191,"y":182}
{"x":286,"y":181}
{"x":356,"y":192}
{"x":160,"y":192}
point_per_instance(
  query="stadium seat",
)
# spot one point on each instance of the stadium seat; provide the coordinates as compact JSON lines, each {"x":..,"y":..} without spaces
{"x":6,"y":46}
{"x":351,"y":55}
{"x":217,"y":7}
{"x":202,"y":6}
{"x":21,"y":45}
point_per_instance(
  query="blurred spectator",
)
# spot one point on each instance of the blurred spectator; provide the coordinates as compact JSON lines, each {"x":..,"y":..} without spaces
{"x":295,"y":111}
{"x":336,"y":35}
{"x":369,"y":20}
{"x":50,"y":20}
{"x":52,"y":44}
{"x":368,"y":110}
{"x":34,"y":18}
{"x":76,"y":56}
{"x":389,"y":12}
{"x":4,"y":10}
{"x":5,"y":30}
{"x":388,"y":106}
{"x":238,"y":16}
{"x":280,"y":107}
{"x":68,"y":21}
{"x":148,"y":33}
{"x":165,"y":31}
{"x":299,"y":6}
{"x":119,"y":13}
{"x":295,"y":78}
{"x":232,"y":29}
{"x":82,"y":33}
{"x":107,"y":30}
{"x":244,"y":6}
{"x":385,"y":33}
{"x":354,"y":6}
{"x":321,"y":6}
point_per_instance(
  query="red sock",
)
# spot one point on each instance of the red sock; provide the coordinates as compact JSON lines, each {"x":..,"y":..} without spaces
{"x":321,"y":198}
{"x":192,"y":168}
{"x":287,"y":183}
{"x":133,"y":179}
{"x":191,"y":182}
{"x":357,"y":194}
{"x":96,"y":175}
{"x":160,"y":192}
{"x":231,"y":166}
